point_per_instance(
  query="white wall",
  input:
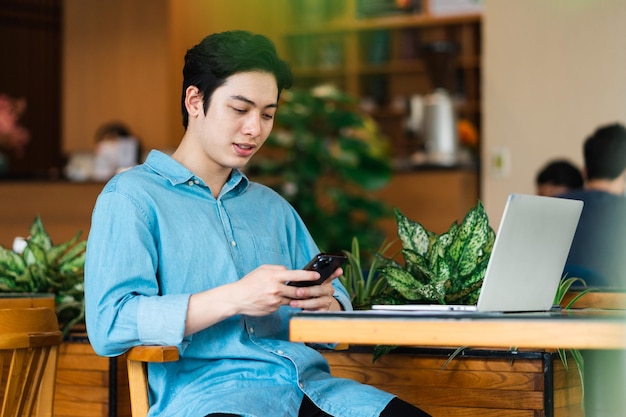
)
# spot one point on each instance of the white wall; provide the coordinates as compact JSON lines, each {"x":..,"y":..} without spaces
{"x":553,"y":71}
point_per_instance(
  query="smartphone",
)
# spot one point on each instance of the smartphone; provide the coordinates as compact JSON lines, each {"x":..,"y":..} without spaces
{"x":325,"y":264}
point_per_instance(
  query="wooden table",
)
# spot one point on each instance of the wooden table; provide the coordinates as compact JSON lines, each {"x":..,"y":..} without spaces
{"x":580,"y":329}
{"x":553,"y":394}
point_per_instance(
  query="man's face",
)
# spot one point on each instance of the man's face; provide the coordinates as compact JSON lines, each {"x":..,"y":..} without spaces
{"x":551,"y":190}
{"x":239,"y":119}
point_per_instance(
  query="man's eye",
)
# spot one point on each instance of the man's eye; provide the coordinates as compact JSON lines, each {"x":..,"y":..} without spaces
{"x":268,"y":116}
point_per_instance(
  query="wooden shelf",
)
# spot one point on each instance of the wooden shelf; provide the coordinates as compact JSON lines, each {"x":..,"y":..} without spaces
{"x":394,"y":67}
{"x":383,"y":59}
{"x":347,"y":23}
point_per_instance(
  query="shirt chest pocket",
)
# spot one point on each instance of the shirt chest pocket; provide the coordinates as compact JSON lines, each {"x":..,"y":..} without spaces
{"x":269,"y":250}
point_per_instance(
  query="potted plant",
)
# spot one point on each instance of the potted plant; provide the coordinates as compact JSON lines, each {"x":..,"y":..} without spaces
{"x":446,"y":268}
{"x":87,"y":384}
{"x":325,"y":157}
{"x":35,"y":265}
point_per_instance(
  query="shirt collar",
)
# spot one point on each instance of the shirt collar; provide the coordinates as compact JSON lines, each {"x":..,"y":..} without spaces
{"x":237,"y":182}
{"x":176,"y":173}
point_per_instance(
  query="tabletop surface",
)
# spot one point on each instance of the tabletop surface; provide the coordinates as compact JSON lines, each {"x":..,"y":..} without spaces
{"x":581,"y":329}
{"x":557,"y":315}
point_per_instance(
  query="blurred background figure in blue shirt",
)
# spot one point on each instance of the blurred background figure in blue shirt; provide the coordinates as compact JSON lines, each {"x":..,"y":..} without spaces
{"x":598,"y":256}
{"x":598,"y":252}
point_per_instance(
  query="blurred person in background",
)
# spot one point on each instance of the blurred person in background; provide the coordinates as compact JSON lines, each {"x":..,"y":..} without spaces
{"x":598,"y":257}
{"x":117,"y":149}
{"x":598,"y":252}
{"x":558,"y":176}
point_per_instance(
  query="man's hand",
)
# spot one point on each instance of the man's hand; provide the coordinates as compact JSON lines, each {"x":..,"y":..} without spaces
{"x":259,"y":293}
{"x":318,"y":297}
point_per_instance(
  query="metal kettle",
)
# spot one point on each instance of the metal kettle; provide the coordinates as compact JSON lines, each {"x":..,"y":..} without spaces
{"x":439,"y":128}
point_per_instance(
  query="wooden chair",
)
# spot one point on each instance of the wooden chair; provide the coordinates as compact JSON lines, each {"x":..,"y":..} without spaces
{"x":29,"y":342}
{"x":137,"y":359}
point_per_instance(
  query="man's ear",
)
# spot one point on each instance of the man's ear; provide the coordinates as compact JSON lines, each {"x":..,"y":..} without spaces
{"x":193,"y":101}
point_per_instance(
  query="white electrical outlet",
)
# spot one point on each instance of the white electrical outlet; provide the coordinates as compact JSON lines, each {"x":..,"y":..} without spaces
{"x":500,"y":162}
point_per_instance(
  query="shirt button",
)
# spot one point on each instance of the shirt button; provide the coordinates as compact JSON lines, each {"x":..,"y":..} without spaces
{"x":233,"y":243}
{"x":196,"y":181}
{"x":280,"y":352}
{"x":190,"y":182}
{"x":251,"y":329}
{"x":301,"y":385}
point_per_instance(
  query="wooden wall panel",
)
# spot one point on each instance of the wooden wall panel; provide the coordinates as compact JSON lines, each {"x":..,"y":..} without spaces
{"x":64,"y":208}
{"x":434,"y":198}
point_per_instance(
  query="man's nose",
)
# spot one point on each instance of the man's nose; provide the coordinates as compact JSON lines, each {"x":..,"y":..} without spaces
{"x":252,"y":125}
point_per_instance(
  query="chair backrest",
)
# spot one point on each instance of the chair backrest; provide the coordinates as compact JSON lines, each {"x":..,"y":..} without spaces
{"x":29,"y":341}
{"x":137,"y":359}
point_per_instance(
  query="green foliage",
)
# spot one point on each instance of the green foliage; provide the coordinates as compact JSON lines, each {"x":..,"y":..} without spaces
{"x":363,"y":289}
{"x":447,"y":268}
{"x":47,"y":268}
{"x":564,"y":286}
{"x":325,"y":157}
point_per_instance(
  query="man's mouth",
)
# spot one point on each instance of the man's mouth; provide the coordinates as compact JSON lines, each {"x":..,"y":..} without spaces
{"x":244,"y":150}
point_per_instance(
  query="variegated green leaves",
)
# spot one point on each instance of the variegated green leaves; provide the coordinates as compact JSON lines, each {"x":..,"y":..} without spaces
{"x":447,"y":268}
{"x":47,"y":268}
{"x":42,"y":267}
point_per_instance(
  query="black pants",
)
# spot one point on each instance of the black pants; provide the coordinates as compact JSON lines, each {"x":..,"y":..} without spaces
{"x":395,"y":408}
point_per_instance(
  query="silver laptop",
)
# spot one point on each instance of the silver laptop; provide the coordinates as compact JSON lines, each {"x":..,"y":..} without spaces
{"x":529,"y":253}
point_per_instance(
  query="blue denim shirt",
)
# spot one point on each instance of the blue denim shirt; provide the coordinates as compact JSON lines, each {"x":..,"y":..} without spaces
{"x":157,"y":236}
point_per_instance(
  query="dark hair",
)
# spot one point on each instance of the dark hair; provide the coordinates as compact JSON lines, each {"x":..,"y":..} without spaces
{"x":116,"y":129}
{"x":605,"y":152}
{"x":560,"y":172}
{"x":220,"y":55}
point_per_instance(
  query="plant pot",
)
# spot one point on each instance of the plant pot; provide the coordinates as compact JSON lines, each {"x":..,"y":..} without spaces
{"x":478,"y":382}
{"x":89,"y":385}
{"x":26,"y":300}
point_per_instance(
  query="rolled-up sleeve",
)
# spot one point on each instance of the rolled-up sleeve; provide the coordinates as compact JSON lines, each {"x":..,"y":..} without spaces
{"x":161,"y":321}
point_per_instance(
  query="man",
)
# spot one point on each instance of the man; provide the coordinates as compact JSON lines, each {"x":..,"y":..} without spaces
{"x":186,"y":251}
{"x":597,"y":256}
{"x":558,"y":177}
{"x":597,"y":252}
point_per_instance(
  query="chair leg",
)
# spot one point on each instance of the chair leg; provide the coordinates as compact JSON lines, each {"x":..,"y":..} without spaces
{"x":48,"y":383}
{"x":138,"y":386}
